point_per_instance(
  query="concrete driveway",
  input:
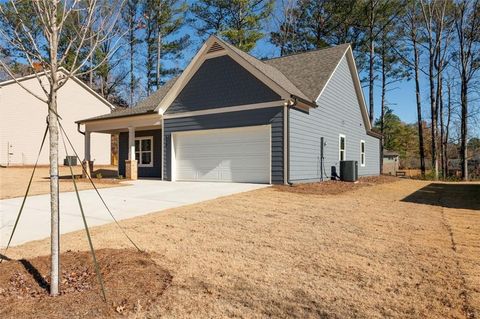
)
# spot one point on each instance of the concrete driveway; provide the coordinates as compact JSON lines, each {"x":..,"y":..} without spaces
{"x":140,"y":198}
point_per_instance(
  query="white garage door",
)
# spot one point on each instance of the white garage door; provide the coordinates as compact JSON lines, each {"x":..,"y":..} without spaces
{"x":224,"y":155}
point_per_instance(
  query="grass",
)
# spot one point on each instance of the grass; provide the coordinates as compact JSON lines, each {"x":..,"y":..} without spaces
{"x":370,"y":252}
{"x":14,"y":180}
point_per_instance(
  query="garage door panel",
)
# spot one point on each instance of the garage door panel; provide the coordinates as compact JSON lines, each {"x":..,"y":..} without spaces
{"x":233,"y":155}
{"x":233,"y":151}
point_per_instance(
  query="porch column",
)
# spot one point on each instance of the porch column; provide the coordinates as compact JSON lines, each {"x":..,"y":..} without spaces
{"x":131,"y":143}
{"x":131,"y":170}
{"x":87,"y":162}
{"x":87,"y":146}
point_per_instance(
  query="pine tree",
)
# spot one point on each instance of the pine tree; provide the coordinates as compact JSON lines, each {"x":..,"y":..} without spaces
{"x":131,"y":24}
{"x":240,"y":22}
{"x":163,"y":20}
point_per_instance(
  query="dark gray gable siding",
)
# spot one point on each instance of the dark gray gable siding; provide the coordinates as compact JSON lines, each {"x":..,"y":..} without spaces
{"x":221,"y":82}
{"x":273,"y":116}
{"x":154,"y":171}
{"x":338,"y":113}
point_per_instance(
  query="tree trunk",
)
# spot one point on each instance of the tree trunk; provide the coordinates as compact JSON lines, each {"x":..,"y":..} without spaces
{"x":132,"y":61}
{"x":433,"y":113}
{"x":159,"y":56}
{"x":463,"y":130}
{"x":421,"y":146}
{"x":447,"y":129}
{"x":53,"y":135}
{"x":371,"y":80}
{"x":54,"y":194}
{"x":442,"y":129}
{"x":371,"y":73}
{"x":90,"y":74}
{"x":382,"y":115}
{"x":371,"y":83}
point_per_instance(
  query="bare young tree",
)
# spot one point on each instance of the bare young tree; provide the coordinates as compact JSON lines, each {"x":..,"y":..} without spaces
{"x":467,"y":25}
{"x":93,"y":23}
{"x":285,"y":20}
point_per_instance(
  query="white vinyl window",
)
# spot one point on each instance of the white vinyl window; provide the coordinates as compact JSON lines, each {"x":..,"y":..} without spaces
{"x":362,"y":153}
{"x":144,"y":151}
{"x":342,"y":154}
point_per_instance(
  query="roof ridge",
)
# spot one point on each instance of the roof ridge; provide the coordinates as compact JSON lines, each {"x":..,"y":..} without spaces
{"x":306,"y":52}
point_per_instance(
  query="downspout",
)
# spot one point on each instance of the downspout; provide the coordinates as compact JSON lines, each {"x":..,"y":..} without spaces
{"x":288,"y":104}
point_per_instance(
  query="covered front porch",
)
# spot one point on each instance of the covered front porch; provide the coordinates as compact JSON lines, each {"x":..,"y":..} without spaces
{"x":139,"y":144}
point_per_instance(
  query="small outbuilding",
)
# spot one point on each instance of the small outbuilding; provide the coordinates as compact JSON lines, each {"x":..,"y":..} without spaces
{"x":391,"y":162}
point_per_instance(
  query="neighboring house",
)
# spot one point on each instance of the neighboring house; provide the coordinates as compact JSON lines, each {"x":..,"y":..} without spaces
{"x":455,"y":166}
{"x":231,"y":117}
{"x":23,"y":120}
{"x":391,"y":162}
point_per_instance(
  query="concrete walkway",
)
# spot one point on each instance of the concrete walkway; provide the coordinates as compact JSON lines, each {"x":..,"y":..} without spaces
{"x":142,"y":197}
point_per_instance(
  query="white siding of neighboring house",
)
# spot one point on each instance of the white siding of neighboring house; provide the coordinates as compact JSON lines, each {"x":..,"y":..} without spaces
{"x":338,"y":112}
{"x":23,"y":120}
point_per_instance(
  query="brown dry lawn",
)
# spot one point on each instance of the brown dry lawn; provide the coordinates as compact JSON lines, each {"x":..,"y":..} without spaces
{"x":14,"y":180}
{"x":407,"y":249}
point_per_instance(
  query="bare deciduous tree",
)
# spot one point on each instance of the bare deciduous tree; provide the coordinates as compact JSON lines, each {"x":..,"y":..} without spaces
{"x":94,"y":24}
{"x":467,"y":25}
{"x":438,"y":34}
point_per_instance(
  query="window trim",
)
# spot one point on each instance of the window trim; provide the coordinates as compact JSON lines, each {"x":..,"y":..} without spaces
{"x":363,"y":156}
{"x":139,"y":161}
{"x":344,"y":147}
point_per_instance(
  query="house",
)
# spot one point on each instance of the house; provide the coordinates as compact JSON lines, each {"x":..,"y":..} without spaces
{"x":23,"y":120}
{"x":231,"y":117}
{"x":391,"y":162}
{"x":455,"y":166}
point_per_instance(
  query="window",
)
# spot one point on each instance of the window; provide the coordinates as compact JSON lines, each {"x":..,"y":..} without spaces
{"x":144,"y":151}
{"x":362,"y":153}
{"x":342,"y":147}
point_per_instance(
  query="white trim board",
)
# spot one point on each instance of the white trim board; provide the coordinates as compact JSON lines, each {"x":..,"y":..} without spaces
{"x":226,"y":109}
{"x":340,"y":136}
{"x":119,"y":123}
{"x":139,"y":161}
{"x":364,"y":153}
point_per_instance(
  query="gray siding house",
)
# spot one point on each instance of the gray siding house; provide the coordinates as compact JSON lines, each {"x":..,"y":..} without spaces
{"x":230,"y":117}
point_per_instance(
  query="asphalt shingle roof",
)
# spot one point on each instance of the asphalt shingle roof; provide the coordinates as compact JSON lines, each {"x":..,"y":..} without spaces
{"x":310,"y":71}
{"x":303,"y":75}
{"x":147,"y":105}
{"x":271,"y":72}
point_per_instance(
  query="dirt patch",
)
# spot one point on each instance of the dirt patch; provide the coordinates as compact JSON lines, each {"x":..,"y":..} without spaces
{"x":14,"y":180}
{"x":335,"y":187}
{"x":133,"y":282}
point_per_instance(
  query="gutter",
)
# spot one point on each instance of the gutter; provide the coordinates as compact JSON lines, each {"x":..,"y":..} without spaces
{"x":303,"y":101}
{"x":374,"y":134}
{"x":286,"y":136}
{"x":78,"y":129}
{"x":114,"y":117}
